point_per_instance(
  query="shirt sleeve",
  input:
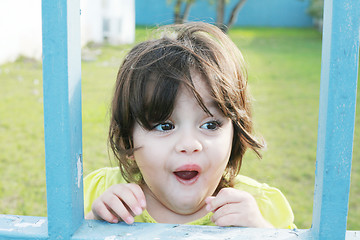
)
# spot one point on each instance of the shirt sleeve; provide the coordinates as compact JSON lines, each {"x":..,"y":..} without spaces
{"x":272,"y":203}
{"x":275,"y":207}
{"x":97,"y":182}
{"x":94,"y":185}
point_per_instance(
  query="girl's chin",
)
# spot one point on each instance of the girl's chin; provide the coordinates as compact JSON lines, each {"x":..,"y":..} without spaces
{"x":186,"y":207}
{"x":185,"y":211}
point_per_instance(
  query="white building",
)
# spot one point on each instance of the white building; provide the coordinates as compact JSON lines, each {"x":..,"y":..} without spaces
{"x":20,"y":25}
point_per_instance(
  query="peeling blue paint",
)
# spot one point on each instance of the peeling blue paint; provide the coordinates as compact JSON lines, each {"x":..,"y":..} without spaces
{"x":23,"y":227}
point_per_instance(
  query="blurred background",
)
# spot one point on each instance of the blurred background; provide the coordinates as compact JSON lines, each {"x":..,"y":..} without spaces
{"x":281,"y":43}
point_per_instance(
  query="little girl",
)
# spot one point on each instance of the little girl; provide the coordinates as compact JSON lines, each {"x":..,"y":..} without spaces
{"x":180,"y":125}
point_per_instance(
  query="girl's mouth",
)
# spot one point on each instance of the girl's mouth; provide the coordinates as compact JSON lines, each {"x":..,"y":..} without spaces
{"x":187,"y":174}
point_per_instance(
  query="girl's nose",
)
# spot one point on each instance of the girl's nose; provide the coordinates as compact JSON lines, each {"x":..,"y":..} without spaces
{"x":188,"y":143}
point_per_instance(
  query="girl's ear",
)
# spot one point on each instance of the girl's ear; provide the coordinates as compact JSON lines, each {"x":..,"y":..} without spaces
{"x":131,"y":157}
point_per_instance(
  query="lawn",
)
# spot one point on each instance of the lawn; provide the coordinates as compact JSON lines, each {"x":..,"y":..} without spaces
{"x":284,"y":77}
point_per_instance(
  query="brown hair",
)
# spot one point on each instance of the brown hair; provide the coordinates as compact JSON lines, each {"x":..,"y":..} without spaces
{"x":162,"y":65}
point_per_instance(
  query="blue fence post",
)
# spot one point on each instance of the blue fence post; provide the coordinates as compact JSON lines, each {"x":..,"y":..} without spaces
{"x":339,"y":70}
{"x":62,"y":116}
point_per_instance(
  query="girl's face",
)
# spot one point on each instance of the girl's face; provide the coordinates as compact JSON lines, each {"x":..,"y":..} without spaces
{"x":183,"y":159}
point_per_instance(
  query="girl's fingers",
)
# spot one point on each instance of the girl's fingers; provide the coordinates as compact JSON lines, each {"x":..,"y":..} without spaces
{"x":234,"y":214}
{"x":121,"y":201}
{"x":131,"y":195}
{"x":226,"y":196}
{"x":139,"y":194}
{"x":116,"y":206}
{"x":236,"y":208}
{"x":228,"y":220}
{"x":101,"y":212}
{"x":223,"y":197}
{"x":227,"y":209}
{"x":208,"y":201}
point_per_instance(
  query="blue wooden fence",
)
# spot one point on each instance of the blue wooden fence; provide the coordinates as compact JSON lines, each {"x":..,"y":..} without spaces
{"x":62,"y":114}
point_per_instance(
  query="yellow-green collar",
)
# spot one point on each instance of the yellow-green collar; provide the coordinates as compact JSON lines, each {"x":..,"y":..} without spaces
{"x":145,"y":217}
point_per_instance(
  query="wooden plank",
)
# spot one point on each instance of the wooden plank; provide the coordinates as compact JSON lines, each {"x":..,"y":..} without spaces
{"x":339,"y":69}
{"x":27,"y":227}
{"x":62,"y":115}
{"x":102,"y":230}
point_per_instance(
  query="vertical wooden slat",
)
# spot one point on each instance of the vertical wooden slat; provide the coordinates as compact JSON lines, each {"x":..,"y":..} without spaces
{"x":62,"y":115}
{"x":339,"y":69}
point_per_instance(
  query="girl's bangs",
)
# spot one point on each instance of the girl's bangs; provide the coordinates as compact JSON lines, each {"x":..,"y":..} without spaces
{"x":160,"y":99}
{"x":158,"y":82}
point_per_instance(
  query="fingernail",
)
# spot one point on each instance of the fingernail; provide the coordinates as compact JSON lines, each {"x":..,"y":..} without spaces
{"x":138,"y":211}
{"x":208,"y":199}
{"x":208,"y":207}
{"x":129,"y":220}
{"x":143,"y":203}
{"x":115,"y":220}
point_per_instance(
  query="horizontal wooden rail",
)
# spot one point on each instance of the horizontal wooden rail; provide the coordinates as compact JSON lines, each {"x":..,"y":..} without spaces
{"x":26,"y":227}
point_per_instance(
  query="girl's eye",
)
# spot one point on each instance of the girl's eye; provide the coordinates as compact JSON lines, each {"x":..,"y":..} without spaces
{"x":212,"y":125}
{"x":163,"y":127}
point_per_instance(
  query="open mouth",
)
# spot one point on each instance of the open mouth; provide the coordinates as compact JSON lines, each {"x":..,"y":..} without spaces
{"x":188,"y":174}
{"x":187,"y":177}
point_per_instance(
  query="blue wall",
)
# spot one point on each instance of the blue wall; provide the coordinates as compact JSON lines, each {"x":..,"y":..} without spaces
{"x":274,"y":13}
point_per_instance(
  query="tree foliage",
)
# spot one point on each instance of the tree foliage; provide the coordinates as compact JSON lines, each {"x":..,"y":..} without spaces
{"x":220,"y":14}
{"x":316,"y":8}
{"x":182,"y":10}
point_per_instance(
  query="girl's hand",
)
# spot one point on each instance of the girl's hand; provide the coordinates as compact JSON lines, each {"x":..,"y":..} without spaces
{"x":232,"y":207}
{"x":119,"y":202}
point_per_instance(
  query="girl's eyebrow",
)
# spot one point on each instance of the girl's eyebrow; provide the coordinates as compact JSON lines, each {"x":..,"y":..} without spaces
{"x":212,"y":107}
{"x":211,"y":103}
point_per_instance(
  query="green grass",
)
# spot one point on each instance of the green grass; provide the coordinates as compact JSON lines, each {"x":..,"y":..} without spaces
{"x":284,"y":76}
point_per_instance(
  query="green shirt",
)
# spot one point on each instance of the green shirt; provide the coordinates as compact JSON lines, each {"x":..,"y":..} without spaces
{"x":272,"y":203}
